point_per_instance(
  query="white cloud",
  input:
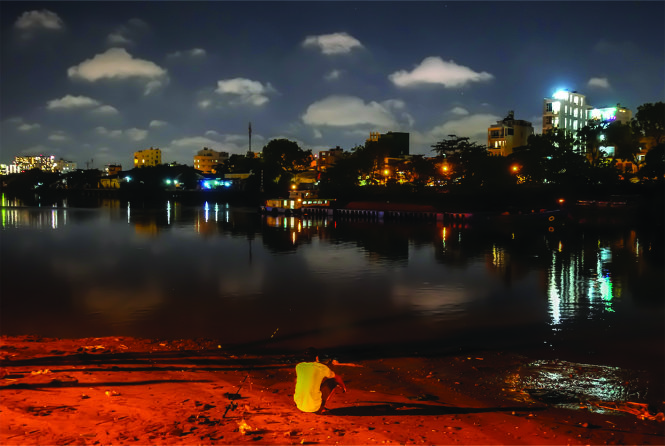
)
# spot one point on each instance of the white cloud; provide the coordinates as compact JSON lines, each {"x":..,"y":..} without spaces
{"x":106,"y":110}
{"x":212,"y":133}
{"x":460,"y":111}
{"x":317,"y":134}
{"x":194,"y":52}
{"x":598,"y":82}
{"x":244,"y":91}
{"x":195,"y":142}
{"x":70,"y":102}
{"x":157,"y":123}
{"x":44,"y":19}
{"x":333,"y":75}
{"x":204,"y":103}
{"x":343,"y":111}
{"x":111,"y":133}
{"x":117,"y":63}
{"x":25,"y":127}
{"x":471,"y":126}
{"x":136,"y":134}
{"x":58,"y":136}
{"x":434,"y":70}
{"x":336,"y":43}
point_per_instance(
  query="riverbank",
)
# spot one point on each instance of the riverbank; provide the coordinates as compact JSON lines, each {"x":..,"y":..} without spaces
{"x":141,"y":391}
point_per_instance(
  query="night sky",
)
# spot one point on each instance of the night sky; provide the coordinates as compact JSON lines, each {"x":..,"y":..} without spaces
{"x":99,"y":80}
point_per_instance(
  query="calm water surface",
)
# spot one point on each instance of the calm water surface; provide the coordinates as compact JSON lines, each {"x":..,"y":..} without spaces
{"x":285,"y":282}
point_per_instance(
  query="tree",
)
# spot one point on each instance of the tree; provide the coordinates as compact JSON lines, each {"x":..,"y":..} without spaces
{"x":287,"y":155}
{"x":623,"y":138}
{"x":654,"y":163}
{"x":649,"y":122}
{"x":589,"y":136}
{"x":465,"y":158}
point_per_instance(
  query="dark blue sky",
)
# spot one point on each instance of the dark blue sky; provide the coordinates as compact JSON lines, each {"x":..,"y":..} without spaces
{"x":100,"y":80}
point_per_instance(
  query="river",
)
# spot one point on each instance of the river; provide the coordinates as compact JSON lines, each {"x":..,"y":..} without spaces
{"x":227,"y":273}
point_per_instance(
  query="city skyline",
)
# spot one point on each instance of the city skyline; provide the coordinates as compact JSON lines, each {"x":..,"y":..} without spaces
{"x":99,"y":81}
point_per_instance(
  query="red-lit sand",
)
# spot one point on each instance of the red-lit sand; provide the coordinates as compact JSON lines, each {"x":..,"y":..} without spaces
{"x":129,"y":391}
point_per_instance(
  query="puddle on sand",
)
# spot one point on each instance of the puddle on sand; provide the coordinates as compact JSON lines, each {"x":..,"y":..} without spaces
{"x":577,"y":386}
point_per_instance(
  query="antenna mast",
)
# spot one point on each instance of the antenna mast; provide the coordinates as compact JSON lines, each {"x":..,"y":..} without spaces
{"x":250,"y":137}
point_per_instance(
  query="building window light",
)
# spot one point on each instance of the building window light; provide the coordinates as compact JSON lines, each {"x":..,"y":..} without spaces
{"x":556,"y":106}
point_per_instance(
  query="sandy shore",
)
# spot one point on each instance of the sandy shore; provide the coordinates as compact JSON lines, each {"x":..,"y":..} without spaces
{"x":135,"y":391}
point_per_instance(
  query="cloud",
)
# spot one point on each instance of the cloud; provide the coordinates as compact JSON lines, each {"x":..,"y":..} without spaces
{"x":117,"y":39}
{"x":157,"y":123}
{"x":117,"y":63}
{"x":125,"y":34}
{"x":25,"y":127}
{"x":194,"y":52}
{"x":136,"y":134}
{"x":195,"y":142}
{"x":344,"y":111}
{"x":105,"y":132}
{"x":434,"y":70}
{"x":58,"y":136}
{"x":106,"y":110}
{"x":471,"y":126}
{"x":244,"y":91}
{"x":460,"y":111}
{"x":336,"y":43}
{"x":204,"y":103}
{"x":333,"y":75}
{"x":72,"y":102}
{"x":598,"y":82}
{"x":317,"y":134}
{"x":36,"y":20}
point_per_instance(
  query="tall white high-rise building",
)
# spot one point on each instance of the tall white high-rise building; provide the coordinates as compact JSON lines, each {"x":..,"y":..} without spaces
{"x":566,"y":110}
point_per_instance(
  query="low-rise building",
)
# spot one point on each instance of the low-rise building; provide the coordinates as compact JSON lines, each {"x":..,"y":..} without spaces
{"x":148,"y":157}
{"x":64,"y":166}
{"x":611,"y":114}
{"x":328,"y":158}
{"x":507,"y":134}
{"x":206,"y":160}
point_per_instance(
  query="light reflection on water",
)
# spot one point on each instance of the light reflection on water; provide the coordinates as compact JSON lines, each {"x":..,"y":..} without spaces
{"x":217,"y":271}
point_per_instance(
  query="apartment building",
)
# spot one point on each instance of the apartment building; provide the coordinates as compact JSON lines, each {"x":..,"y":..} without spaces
{"x":328,"y":158}
{"x":207,"y":159}
{"x":566,"y":110}
{"x":507,"y":134}
{"x":611,"y":114}
{"x":148,"y":157}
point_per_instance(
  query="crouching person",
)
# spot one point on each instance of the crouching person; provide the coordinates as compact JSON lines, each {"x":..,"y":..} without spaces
{"x":315,"y":384}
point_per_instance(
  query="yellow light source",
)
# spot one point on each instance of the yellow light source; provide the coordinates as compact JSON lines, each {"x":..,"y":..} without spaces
{"x":386,"y":172}
{"x":293,"y":186}
{"x":515,"y":167}
{"x":445,"y":168}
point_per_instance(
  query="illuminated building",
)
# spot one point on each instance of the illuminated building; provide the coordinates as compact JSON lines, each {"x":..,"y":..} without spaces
{"x":148,"y":157}
{"x":29,"y":162}
{"x":507,"y":134}
{"x":113,"y":169}
{"x":328,"y":158}
{"x":611,"y":114}
{"x":207,"y":159}
{"x":565,"y":110}
{"x":64,"y":166}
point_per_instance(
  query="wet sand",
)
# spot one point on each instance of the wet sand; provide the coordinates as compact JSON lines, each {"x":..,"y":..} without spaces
{"x":121,"y":390}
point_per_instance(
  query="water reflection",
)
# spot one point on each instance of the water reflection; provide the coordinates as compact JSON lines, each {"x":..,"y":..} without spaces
{"x":180,"y":269}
